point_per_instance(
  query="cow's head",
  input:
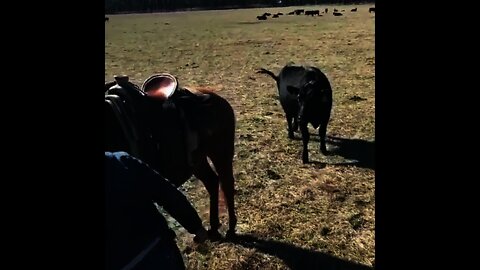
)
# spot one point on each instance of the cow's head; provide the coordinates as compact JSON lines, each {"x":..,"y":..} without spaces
{"x":307,"y":95}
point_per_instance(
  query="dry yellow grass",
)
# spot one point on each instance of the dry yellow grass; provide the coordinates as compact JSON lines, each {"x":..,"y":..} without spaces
{"x":327,"y":206}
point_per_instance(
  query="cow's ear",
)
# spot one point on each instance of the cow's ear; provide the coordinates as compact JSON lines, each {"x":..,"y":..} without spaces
{"x":293,"y":90}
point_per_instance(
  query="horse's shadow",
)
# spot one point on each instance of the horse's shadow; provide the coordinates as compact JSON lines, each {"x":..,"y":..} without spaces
{"x":362,"y":151}
{"x":297,"y":257}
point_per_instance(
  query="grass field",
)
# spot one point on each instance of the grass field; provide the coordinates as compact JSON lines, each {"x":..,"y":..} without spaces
{"x":325,"y":207}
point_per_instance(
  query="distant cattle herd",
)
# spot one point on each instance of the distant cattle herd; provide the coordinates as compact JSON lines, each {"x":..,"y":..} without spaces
{"x":314,"y":12}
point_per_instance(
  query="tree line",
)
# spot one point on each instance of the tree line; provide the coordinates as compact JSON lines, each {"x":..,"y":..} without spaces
{"x":124,"y":6}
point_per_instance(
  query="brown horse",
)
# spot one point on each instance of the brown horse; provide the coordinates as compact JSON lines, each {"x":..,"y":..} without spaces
{"x":176,"y":136}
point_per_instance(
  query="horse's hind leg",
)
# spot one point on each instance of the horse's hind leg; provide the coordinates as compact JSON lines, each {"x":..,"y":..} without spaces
{"x":210,"y":180}
{"x":225,"y":173}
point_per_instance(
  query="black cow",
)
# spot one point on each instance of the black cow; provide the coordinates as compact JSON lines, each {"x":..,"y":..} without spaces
{"x":335,"y":10}
{"x":354,"y":10}
{"x":306,"y":96}
{"x":299,"y":11}
{"x":291,"y":13}
{"x":275,"y":16}
{"x":372,"y":9}
{"x":326,"y":10}
{"x":312,"y":12}
{"x":106,"y":19}
{"x":267,"y":14}
{"x":262,"y":17}
{"x":337,"y":14}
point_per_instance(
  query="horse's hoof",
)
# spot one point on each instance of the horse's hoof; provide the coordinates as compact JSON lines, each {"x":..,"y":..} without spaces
{"x":231,"y":235}
{"x":214,"y":235}
{"x":325,"y":152}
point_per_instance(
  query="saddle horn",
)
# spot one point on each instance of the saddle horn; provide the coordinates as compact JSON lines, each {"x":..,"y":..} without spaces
{"x":160,"y":86}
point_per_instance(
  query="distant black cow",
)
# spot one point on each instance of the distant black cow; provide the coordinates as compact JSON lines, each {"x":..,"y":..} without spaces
{"x":372,"y":9}
{"x":337,"y":14}
{"x":291,"y":13}
{"x":312,"y":12}
{"x":343,"y":10}
{"x":275,"y":16}
{"x":267,"y":14}
{"x":299,"y":11}
{"x":326,"y":10}
{"x":262,"y":18}
{"x":107,"y":19}
{"x":335,"y":10}
{"x":279,"y":13}
{"x":306,"y":96}
{"x":354,"y":10}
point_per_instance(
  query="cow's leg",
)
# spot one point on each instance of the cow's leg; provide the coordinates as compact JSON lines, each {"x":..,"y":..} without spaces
{"x":305,"y":139}
{"x":210,"y":179}
{"x":295,"y":123}
{"x":322,"y":131}
{"x":289,"y":123}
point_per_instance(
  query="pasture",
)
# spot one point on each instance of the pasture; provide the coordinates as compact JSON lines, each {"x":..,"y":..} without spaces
{"x":326,"y":207}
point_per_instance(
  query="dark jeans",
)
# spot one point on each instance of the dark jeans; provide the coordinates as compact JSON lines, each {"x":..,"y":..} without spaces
{"x":163,"y":256}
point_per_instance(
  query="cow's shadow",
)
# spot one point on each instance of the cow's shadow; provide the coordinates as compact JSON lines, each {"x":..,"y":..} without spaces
{"x":362,"y":151}
{"x":296,"y":257}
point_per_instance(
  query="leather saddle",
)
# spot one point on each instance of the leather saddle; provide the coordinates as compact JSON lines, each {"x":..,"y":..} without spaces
{"x":153,"y":121}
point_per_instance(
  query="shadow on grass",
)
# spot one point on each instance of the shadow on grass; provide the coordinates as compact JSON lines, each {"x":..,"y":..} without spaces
{"x":354,"y":149}
{"x":355,"y":152}
{"x":296,"y":257}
